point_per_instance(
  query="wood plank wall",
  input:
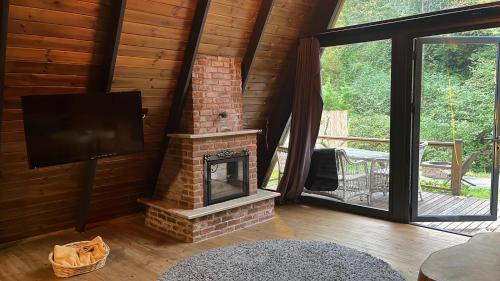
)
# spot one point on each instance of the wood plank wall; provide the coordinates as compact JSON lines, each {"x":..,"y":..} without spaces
{"x":52,"y":48}
{"x":150,"y":54}
{"x":278,"y":44}
{"x":56,"y":46}
{"x":228,"y":27}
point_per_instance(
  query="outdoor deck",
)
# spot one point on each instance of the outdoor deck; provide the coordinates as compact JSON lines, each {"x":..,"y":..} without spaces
{"x":433,"y":203}
{"x":444,"y":204}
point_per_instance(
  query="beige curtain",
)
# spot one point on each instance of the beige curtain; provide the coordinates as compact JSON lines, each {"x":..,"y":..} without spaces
{"x":306,"y":117}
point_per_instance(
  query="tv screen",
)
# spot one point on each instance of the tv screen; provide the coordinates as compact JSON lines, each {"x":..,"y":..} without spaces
{"x":67,"y":128}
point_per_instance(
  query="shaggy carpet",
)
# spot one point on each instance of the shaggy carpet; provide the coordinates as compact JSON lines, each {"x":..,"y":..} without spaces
{"x":282,"y":260}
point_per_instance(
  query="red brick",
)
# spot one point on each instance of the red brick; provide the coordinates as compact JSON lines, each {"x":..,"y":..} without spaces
{"x":209,"y":226}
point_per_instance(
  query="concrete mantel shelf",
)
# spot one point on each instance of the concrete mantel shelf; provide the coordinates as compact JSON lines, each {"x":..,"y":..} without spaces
{"x":214,"y":135}
{"x":211,"y":209}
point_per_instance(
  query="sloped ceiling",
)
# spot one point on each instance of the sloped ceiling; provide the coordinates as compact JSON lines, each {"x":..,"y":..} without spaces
{"x":57,"y":47}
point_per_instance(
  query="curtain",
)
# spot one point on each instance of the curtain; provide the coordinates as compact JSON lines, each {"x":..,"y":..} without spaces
{"x":306,"y":116}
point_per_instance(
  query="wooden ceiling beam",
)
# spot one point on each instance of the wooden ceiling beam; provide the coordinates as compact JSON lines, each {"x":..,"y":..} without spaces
{"x":324,"y":15}
{"x":260,"y":23}
{"x":183,"y":82}
{"x":103,"y":86}
{"x":111,"y":51}
{"x":4,"y":22}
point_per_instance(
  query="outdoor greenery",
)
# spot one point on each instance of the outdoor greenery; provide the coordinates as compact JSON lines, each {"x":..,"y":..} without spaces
{"x":458,"y":82}
{"x":465,"y":190}
{"x":273,"y":179}
{"x":363,"y":11}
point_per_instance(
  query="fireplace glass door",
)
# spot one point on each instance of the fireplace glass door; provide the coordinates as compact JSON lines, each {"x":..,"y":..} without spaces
{"x":226,"y":177}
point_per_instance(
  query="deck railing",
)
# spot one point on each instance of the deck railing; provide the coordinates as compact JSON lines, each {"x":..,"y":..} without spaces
{"x":457,"y":150}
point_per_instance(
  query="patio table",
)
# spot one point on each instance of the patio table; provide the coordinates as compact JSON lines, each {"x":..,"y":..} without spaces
{"x":363,"y":154}
{"x":368,"y":156}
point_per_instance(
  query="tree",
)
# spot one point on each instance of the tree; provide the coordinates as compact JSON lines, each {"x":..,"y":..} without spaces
{"x":357,"y":78}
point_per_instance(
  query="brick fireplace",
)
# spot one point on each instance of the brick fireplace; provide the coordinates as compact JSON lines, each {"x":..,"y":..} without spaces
{"x":212,"y":157}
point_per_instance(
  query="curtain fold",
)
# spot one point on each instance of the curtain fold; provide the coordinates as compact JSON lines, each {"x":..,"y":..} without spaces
{"x":306,"y":116}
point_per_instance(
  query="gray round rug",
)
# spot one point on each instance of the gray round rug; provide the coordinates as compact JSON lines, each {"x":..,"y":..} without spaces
{"x":278,"y":260}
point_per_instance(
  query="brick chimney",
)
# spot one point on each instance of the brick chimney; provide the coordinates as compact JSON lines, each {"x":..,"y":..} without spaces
{"x":215,"y":103}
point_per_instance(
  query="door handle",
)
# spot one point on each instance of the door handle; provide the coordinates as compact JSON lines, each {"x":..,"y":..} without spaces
{"x":492,"y":139}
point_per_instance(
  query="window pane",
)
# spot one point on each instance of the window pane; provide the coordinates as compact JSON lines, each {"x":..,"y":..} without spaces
{"x":356,"y":84}
{"x":355,"y":12}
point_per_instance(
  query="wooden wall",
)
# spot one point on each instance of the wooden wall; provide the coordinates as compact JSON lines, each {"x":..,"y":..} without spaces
{"x":52,"y":48}
{"x":150,"y":54}
{"x":57,"y":46}
{"x":228,"y":27}
{"x":288,"y":19}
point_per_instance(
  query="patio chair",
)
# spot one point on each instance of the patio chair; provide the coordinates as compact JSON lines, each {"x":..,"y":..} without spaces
{"x":379,"y":176}
{"x":466,"y":165}
{"x":282,"y":153}
{"x":379,"y":173}
{"x":353,"y":179}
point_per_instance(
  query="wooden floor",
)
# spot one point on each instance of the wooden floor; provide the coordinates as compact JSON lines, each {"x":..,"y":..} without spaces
{"x":444,"y":204}
{"x":138,"y":253}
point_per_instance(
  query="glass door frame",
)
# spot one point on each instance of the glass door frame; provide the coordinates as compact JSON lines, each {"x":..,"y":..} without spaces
{"x":417,"y":95}
{"x":402,"y":32}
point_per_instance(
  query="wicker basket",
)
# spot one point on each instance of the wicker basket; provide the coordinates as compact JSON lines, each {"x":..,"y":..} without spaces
{"x":68,"y":271}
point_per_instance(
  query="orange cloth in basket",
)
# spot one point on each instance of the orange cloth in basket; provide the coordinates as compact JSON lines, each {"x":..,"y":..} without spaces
{"x":80,"y":255}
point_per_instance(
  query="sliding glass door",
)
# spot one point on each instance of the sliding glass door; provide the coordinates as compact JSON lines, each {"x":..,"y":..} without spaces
{"x":412,"y":114}
{"x":456,"y":129}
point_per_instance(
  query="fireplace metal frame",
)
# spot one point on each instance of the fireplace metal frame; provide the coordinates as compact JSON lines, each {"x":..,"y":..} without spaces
{"x":225,"y":157}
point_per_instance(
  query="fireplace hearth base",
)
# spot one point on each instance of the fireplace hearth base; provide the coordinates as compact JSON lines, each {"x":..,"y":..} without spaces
{"x":207,"y":222}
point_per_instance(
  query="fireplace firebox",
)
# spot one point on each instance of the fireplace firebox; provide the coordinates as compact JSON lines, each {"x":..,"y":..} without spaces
{"x":226,"y":176}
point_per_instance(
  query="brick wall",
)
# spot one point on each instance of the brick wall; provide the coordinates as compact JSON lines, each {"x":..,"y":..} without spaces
{"x":216,"y":88}
{"x":181,"y":179}
{"x":209,"y":226}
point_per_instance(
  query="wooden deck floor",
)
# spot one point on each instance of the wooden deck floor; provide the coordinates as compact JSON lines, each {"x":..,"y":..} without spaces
{"x":444,"y":204}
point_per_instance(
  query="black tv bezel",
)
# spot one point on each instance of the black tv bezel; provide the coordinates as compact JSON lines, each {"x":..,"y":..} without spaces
{"x":70,"y":161}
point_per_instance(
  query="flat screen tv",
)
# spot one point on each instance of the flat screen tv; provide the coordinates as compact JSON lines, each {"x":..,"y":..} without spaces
{"x":67,"y":128}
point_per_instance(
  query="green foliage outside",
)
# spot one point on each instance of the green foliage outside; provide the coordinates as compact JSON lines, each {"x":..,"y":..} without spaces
{"x":458,"y":89}
{"x":363,"y":11}
{"x":465,"y":190}
{"x":273,"y":179}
